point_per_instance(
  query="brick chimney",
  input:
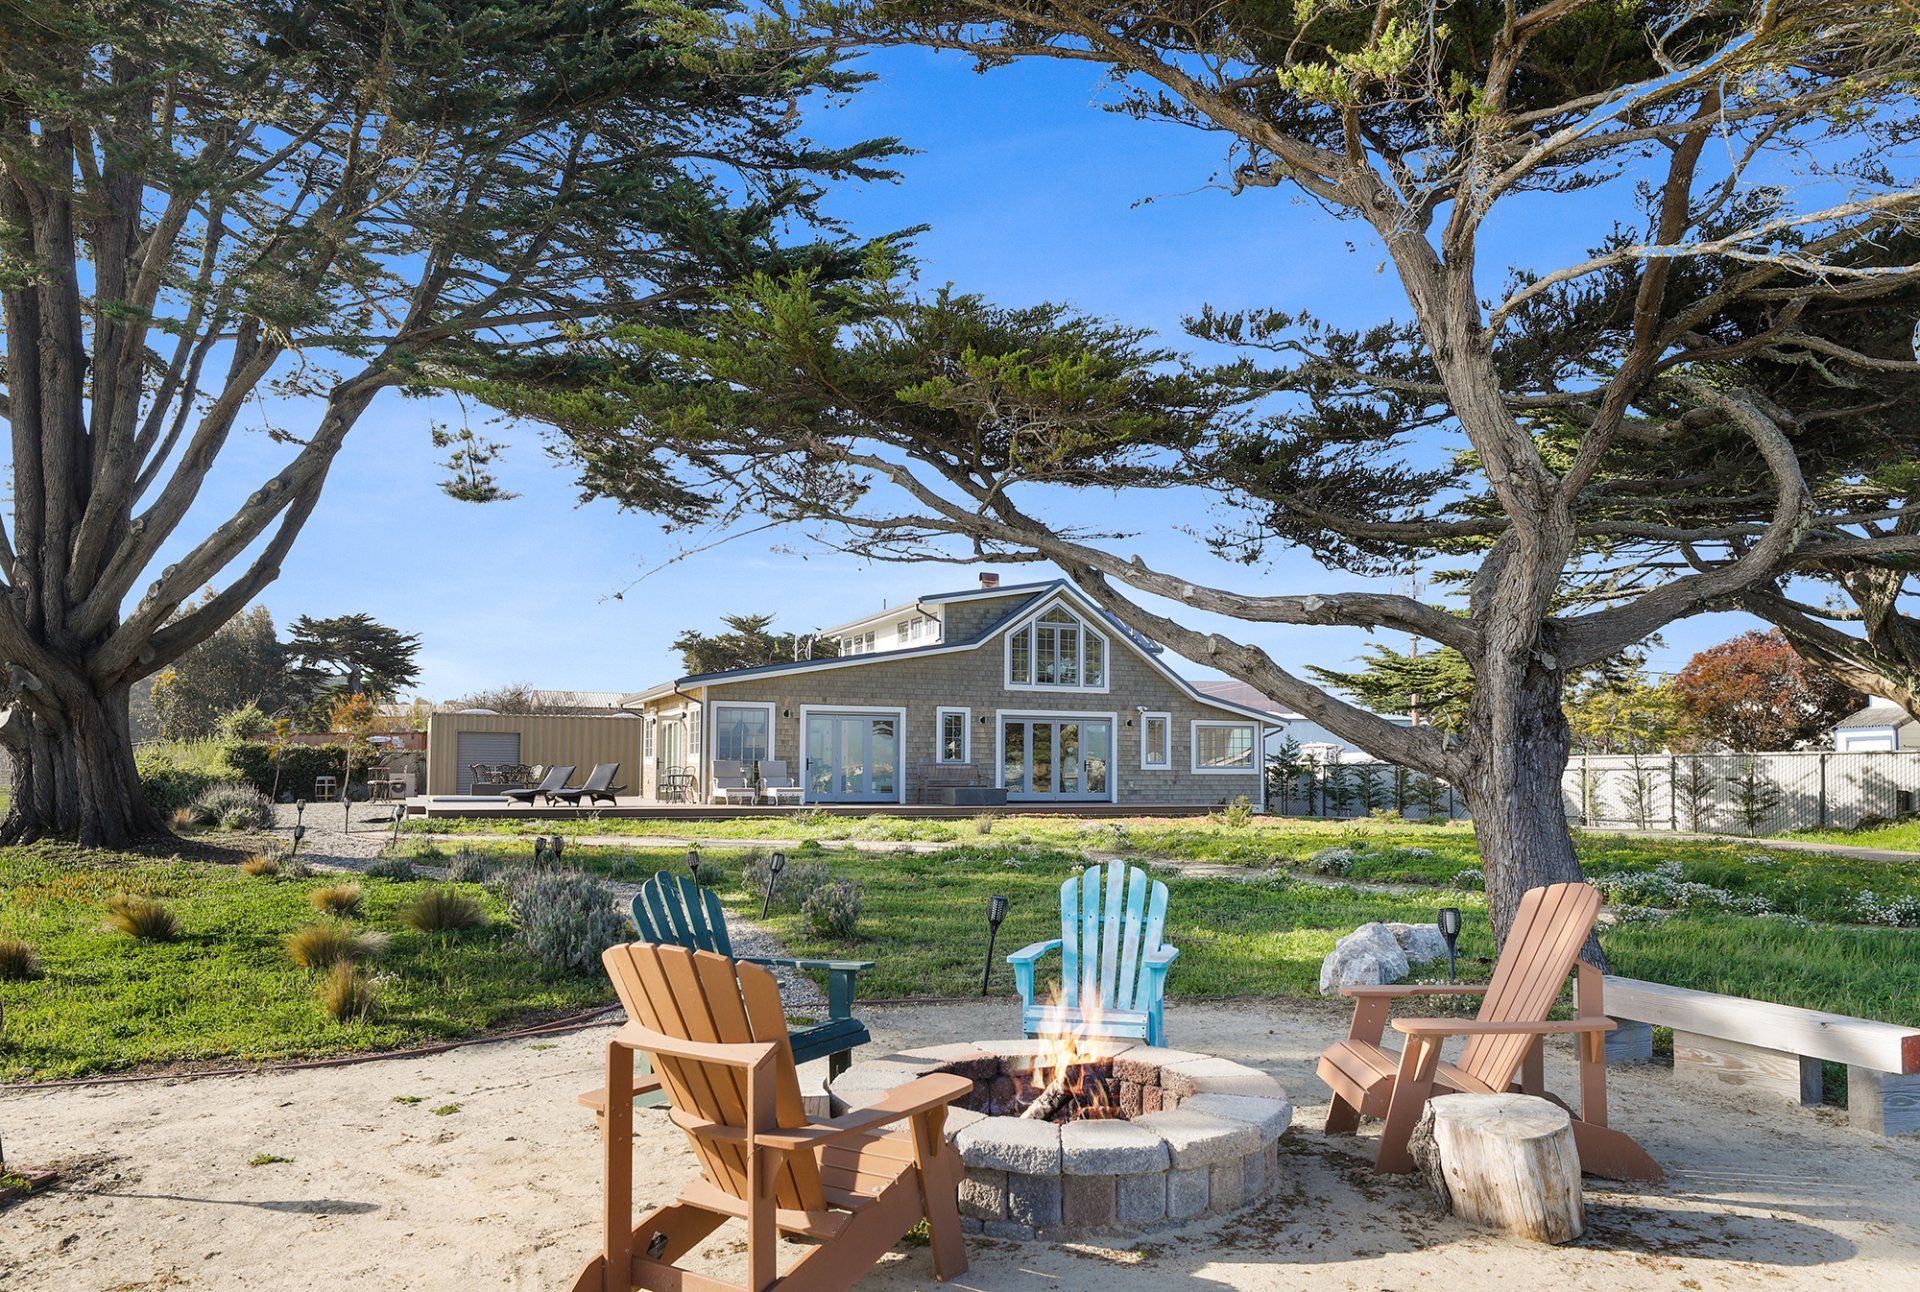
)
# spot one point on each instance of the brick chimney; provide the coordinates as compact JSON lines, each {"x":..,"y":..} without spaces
{"x":988,"y":579}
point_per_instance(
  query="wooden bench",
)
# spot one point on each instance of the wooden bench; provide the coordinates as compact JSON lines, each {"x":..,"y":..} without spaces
{"x":1777,"y":1048}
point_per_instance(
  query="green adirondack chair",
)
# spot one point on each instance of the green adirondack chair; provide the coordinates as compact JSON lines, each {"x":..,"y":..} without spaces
{"x":672,"y":910}
{"x":1110,"y":952}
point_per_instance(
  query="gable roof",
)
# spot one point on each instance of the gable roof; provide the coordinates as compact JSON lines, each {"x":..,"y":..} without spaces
{"x":1043,"y":593}
{"x":1878,"y":713}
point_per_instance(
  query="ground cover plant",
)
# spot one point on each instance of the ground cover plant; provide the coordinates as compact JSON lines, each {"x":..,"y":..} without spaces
{"x":225,"y":988}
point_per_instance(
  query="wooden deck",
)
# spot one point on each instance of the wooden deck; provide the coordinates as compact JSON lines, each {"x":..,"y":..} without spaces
{"x":637,"y":809}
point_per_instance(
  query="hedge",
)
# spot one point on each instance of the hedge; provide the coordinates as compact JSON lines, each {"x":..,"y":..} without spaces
{"x":174,"y":773}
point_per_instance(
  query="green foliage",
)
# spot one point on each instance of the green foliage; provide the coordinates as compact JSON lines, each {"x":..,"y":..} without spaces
{"x":255,"y":761}
{"x":467,"y":866}
{"x":174,"y":774}
{"x":746,"y":643}
{"x":389,"y":868}
{"x":1436,"y":685}
{"x":799,"y":878}
{"x":233,"y":807}
{"x":351,"y":655}
{"x":142,"y":918}
{"x":565,"y":918}
{"x":1756,"y":796}
{"x":442,"y":910}
{"x":240,"y":669}
{"x":833,"y":909}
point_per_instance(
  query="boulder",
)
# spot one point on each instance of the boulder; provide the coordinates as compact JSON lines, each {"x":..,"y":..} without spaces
{"x":1421,"y":942}
{"x":1367,"y":957}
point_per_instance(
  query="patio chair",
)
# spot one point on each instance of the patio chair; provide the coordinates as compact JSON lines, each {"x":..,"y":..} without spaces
{"x":713,"y":1029}
{"x":599,"y":785}
{"x":1503,"y":1042}
{"x":549,"y":785}
{"x":777,"y":783}
{"x":1117,"y":963}
{"x":730,"y":782}
{"x":672,"y":910}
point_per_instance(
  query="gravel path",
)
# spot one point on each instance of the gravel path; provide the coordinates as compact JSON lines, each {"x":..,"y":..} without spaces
{"x":474,"y":1169}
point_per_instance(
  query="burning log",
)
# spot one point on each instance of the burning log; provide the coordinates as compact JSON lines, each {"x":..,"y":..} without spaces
{"x":1057,"y":1095}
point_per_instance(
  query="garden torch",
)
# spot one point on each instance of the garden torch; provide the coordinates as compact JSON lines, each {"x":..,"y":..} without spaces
{"x":1449,"y":922}
{"x":996,"y":912}
{"x":775,"y":864}
{"x":693,"y":864}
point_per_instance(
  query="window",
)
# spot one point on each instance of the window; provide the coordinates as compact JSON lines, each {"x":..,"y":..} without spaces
{"x":742,"y":732}
{"x":1223,"y":746}
{"x":1156,"y":741}
{"x":1057,"y":651}
{"x":647,"y":741}
{"x":857,"y":644}
{"x":953,"y":736}
{"x":904,"y":628}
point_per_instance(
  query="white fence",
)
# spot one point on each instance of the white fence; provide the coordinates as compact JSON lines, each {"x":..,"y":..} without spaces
{"x":1740,"y":793}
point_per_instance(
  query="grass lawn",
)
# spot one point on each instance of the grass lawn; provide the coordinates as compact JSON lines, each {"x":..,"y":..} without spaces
{"x":225,"y":989}
{"x":1897,"y":836}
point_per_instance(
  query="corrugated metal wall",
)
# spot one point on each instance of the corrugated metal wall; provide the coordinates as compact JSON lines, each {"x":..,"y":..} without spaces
{"x":544,"y":738}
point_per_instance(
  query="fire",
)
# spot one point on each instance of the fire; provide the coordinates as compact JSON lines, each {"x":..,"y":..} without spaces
{"x":1063,"y":1071}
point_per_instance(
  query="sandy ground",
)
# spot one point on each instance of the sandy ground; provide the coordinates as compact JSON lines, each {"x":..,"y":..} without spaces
{"x":490,"y":1180}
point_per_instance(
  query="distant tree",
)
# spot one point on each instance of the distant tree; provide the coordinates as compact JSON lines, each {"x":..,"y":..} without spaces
{"x":241,"y":664}
{"x":1630,"y":714}
{"x":1283,"y":773}
{"x":1693,"y":794}
{"x":1430,"y":796}
{"x":1368,"y":792}
{"x":1756,"y":692}
{"x":1436,"y":687}
{"x":509,"y":697}
{"x":349,"y":655}
{"x":1755,"y":795}
{"x":748,"y":642}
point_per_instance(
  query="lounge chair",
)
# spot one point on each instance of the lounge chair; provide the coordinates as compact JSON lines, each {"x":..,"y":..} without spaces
{"x":549,"y":785}
{"x":730,"y":782}
{"x":599,"y":785}
{"x":714,"y":1031}
{"x":777,"y":783}
{"x":1503,"y":1043}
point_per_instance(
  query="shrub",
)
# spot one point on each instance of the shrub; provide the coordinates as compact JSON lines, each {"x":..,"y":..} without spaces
{"x":1238,"y":814}
{"x":1334,"y":861}
{"x":1471,"y":878}
{"x":330,"y":943}
{"x":337,"y":899}
{"x":833,"y":909}
{"x":260,"y":864}
{"x":348,"y":993}
{"x":234,"y":806}
{"x":253,"y":761}
{"x":294,"y":868}
{"x":390,"y":868}
{"x":795,"y":882}
{"x":566,"y":919}
{"x":442,"y":910}
{"x":469,"y":867}
{"x":17,"y":960}
{"x":142,"y":918}
{"x":174,"y":773}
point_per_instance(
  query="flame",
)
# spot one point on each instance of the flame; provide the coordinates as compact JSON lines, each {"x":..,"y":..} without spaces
{"x":1065,"y":1055}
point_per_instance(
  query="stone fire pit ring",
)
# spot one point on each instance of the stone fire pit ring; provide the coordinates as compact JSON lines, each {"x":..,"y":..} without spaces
{"x":1200,"y":1137}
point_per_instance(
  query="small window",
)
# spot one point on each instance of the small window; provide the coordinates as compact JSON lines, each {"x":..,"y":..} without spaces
{"x":742,"y":732}
{"x":903,"y":628}
{"x":647,"y":742}
{"x":1156,"y":741}
{"x":953,"y":735}
{"x":1223,"y":746}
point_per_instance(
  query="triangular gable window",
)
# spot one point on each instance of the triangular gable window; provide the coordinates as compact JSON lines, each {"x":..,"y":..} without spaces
{"x":1059,"y":651}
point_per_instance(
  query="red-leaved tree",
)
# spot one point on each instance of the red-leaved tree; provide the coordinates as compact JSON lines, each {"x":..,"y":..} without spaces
{"x":1757,"y":692}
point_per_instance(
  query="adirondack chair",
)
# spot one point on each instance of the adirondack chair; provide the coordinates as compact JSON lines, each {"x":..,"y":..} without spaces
{"x":672,"y":910}
{"x":1110,"y":954}
{"x":1503,"y":1042}
{"x":714,"y":1031}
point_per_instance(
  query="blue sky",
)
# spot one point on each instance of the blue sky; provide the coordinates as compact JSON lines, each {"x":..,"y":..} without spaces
{"x":1032,"y":193}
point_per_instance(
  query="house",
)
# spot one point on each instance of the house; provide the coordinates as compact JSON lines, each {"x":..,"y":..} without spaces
{"x":1881,"y":725}
{"x":1309,"y":735}
{"x":1026,"y":693}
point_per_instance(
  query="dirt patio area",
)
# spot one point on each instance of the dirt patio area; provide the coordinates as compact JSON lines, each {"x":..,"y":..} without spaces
{"x":474,"y":1169}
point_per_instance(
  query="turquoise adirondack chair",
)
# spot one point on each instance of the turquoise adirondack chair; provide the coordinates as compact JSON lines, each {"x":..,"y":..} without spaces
{"x":673,"y":910}
{"x":1109,"y":952}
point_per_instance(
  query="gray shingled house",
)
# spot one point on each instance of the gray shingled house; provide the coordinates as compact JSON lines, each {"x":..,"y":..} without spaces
{"x":1023,"y":693}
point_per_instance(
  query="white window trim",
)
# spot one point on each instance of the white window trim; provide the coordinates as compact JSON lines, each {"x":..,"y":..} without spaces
{"x":898,"y":714}
{"x":1025,"y":627}
{"x":940,"y":736}
{"x":1193,"y":747}
{"x":1000,"y":717}
{"x":713,"y":721}
{"x":1166,"y":763}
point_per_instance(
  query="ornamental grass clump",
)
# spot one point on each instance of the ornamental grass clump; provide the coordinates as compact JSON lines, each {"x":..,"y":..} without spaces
{"x":565,"y":918}
{"x":17,"y":960}
{"x":349,"y":993}
{"x":260,"y":866}
{"x":442,"y":910}
{"x":337,"y":899}
{"x":142,"y":918}
{"x":329,"y":944}
{"x":833,"y":909}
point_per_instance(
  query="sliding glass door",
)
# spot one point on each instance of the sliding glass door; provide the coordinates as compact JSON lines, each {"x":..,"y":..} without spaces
{"x":1057,"y":758}
{"x":852,"y":758}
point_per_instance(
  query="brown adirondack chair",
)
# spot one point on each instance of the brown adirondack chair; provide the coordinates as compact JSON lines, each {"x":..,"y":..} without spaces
{"x":718,"y":1041}
{"x":1503,"y":1047}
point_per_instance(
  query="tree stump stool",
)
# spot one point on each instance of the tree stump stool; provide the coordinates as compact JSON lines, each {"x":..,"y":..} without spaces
{"x":1503,"y":1161}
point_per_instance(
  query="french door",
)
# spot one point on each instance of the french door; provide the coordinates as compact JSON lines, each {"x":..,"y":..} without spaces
{"x":852,"y":758}
{"x":1056,"y":758}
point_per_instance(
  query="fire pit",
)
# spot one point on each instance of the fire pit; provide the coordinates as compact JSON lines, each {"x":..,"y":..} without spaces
{"x":1065,"y":1137}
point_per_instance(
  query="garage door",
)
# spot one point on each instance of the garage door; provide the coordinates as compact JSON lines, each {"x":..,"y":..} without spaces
{"x":489,"y":747}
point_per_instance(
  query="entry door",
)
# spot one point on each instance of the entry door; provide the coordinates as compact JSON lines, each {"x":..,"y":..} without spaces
{"x":1057,"y":758}
{"x":852,"y":758}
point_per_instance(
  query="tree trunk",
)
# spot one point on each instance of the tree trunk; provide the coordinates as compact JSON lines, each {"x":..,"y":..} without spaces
{"x":1519,"y":740}
{"x":73,"y":772}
